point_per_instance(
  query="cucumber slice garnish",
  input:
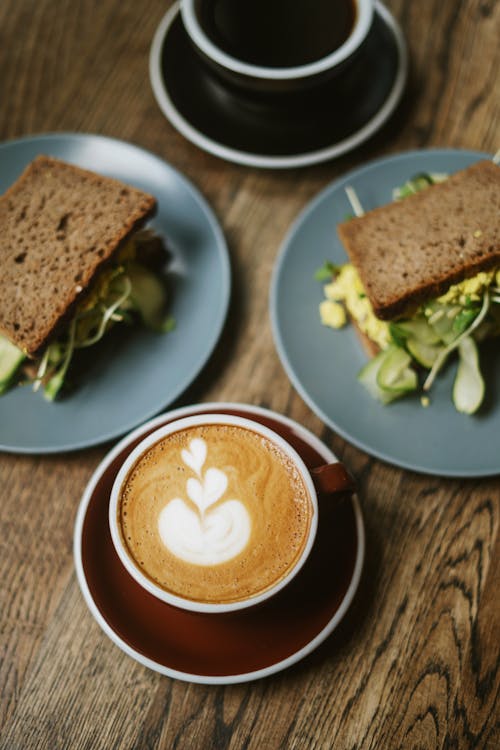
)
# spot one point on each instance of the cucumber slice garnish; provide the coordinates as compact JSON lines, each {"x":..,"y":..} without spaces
{"x":386,"y":377}
{"x":442,"y":321}
{"x":368,"y":377}
{"x":418,"y":328}
{"x":468,"y":389}
{"x":395,"y":373}
{"x":419,"y":338}
{"x":149,"y":297}
{"x":10,"y":359}
{"x":445,"y":351}
{"x":424,"y":354}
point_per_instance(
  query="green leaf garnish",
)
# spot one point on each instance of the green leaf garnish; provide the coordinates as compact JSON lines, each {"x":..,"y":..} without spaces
{"x":464,"y":318}
{"x":327,"y":271}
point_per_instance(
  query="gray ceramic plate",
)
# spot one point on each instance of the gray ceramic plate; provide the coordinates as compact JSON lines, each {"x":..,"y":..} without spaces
{"x":323,"y":363}
{"x":137,"y":373}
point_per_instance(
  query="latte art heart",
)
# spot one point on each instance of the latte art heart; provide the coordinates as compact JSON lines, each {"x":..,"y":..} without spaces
{"x":219,"y":536}
{"x":196,"y":455}
{"x":206,"y":537}
{"x":206,"y":493}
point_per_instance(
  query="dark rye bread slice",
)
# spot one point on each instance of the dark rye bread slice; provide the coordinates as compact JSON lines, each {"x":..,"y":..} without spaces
{"x":59,"y":225}
{"x":412,"y":250}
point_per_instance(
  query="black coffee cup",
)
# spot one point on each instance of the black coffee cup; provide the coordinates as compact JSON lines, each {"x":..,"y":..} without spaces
{"x":277,"y":45}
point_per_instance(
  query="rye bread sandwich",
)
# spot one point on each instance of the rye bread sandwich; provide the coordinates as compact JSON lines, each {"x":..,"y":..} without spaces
{"x":74,"y":262}
{"x":423,"y":282}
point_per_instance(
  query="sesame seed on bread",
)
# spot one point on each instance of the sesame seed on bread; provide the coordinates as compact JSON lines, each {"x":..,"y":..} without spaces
{"x":59,"y":225}
{"x":412,"y":250}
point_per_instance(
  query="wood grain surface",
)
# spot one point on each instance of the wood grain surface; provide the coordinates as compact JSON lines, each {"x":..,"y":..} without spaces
{"x":415,"y":664}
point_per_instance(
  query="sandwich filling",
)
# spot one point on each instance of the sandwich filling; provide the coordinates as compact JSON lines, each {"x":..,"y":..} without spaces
{"x":449,"y":314}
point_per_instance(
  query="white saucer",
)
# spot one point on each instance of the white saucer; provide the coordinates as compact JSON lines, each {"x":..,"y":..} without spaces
{"x":215,"y":118}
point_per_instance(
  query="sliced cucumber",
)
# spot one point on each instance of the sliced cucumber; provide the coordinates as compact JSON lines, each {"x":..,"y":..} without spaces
{"x":442,"y":321}
{"x":468,"y":389}
{"x":368,"y":377}
{"x":418,"y":328}
{"x":419,"y":338}
{"x":149,"y":296}
{"x":424,"y":354}
{"x":400,"y":381}
{"x":10,"y":359}
{"x":395,"y":373}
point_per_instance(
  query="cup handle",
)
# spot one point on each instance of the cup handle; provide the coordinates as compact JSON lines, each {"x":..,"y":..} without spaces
{"x":331,"y":479}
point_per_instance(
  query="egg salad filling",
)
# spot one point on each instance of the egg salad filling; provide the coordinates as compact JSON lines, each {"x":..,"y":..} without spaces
{"x":413,"y":350}
{"x":131,"y":288}
{"x":346,"y":293}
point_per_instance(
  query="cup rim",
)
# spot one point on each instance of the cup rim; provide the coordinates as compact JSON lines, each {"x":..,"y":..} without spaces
{"x":362,"y":24}
{"x":168,"y":429}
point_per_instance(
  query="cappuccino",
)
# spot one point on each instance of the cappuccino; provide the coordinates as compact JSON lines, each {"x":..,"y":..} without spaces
{"x":214,"y":513}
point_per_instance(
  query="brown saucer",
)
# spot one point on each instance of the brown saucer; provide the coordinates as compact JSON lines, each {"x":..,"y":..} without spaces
{"x":232,"y":647}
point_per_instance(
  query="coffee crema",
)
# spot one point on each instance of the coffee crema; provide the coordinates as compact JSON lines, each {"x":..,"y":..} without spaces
{"x":215,"y":513}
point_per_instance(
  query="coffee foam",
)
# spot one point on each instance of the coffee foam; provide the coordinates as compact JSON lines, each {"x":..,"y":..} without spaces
{"x":215,"y":513}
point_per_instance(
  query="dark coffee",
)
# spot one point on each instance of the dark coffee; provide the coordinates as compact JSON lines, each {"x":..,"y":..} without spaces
{"x":277,"y":33}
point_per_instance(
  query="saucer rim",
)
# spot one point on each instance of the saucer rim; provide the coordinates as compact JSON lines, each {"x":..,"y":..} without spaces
{"x":298,"y":655}
{"x":246,"y":158}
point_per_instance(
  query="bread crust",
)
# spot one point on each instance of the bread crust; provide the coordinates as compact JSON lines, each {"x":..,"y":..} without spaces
{"x":413,"y":250}
{"x":369,"y":346}
{"x":60,"y":225}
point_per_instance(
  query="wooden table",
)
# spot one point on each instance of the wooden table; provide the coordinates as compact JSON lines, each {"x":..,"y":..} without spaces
{"x":415,"y":662}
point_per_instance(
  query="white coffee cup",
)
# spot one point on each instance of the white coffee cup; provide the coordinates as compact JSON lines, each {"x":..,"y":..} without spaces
{"x":195,"y":469}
